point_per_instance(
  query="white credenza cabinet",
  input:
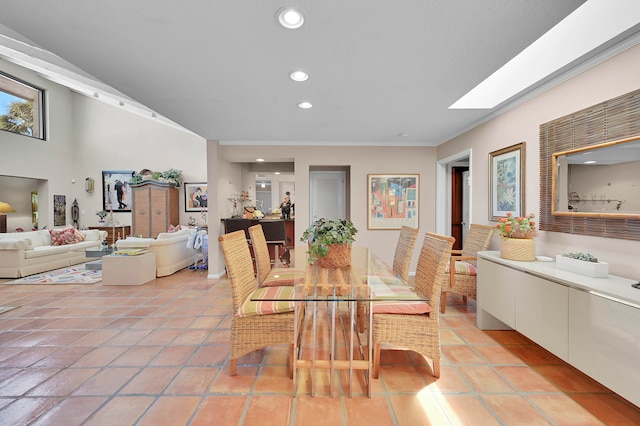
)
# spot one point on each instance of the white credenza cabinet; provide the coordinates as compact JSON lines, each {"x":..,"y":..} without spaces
{"x":605,"y":342}
{"x":591,"y":323}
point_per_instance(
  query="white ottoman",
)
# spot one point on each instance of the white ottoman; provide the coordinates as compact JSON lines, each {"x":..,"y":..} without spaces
{"x":128,"y":270}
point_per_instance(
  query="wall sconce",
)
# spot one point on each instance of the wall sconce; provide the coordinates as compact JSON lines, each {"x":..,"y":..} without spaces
{"x":89,"y":184}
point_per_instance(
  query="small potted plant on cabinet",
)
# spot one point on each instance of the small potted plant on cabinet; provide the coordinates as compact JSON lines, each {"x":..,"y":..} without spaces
{"x":330,"y":242}
{"x":582,"y":263}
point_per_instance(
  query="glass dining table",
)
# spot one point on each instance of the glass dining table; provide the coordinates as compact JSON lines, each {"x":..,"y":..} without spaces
{"x":329,"y":336}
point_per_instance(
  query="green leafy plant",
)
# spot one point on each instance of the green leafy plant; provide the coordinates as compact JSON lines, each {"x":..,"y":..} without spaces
{"x":102,"y":214}
{"x":520,"y":227}
{"x":168,"y":176}
{"x":587,"y":257}
{"x":325,"y":232}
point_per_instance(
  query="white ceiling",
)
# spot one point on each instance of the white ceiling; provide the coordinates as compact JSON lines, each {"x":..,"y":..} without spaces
{"x":378,"y":68}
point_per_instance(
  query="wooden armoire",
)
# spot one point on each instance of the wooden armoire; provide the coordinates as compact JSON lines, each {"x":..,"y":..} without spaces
{"x":154,"y":208}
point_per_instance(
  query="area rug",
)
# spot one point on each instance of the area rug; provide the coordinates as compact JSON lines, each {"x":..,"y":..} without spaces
{"x":4,"y":309}
{"x":62,"y":276}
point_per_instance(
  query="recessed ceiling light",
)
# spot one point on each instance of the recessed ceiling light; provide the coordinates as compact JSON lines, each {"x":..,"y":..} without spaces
{"x":299,"y":76}
{"x":259,"y":160}
{"x":276,"y":173}
{"x":305,"y":105}
{"x":590,"y":162}
{"x":290,"y":18}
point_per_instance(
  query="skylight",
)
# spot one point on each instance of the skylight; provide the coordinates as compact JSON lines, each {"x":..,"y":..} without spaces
{"x":588,"y":27}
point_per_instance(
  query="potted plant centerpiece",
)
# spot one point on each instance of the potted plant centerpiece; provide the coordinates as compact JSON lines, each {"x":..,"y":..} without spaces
{"x":330,"y":242}
{"x":517,"y":237}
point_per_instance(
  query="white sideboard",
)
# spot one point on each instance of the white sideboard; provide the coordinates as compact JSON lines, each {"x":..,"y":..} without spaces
{"x":591,"y":323}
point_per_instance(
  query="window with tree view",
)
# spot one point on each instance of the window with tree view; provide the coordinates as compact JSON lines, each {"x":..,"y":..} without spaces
{"x":21,"y":107}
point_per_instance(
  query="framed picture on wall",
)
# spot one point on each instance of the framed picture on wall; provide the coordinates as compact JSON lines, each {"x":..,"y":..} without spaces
{"x":506,"y":181}
{"x":393,"y":201}
{"x":59,"y":210}
{"x":116,"y":190}
{"x":195,"y":197}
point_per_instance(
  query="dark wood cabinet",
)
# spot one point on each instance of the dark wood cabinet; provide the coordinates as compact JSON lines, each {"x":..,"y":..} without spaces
{"x":235,"y":224}
{"x":154,"y":207}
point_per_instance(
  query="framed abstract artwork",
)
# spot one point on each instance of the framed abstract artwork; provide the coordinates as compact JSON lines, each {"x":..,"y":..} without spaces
{"x":393,"y":201}
{"x":195,"y":197}
{"x":116,"y":190}
{"x":506,"y":181}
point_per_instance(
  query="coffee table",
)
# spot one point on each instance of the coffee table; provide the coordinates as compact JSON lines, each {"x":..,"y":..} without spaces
{"x":95,"y":265}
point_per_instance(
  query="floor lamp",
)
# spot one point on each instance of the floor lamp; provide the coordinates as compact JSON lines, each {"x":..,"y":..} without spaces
{"x":4,"y":208}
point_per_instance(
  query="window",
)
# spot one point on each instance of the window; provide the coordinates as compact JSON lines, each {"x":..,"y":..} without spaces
{"x":21,"y":107}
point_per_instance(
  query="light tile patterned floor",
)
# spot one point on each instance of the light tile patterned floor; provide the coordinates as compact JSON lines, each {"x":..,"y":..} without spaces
{"x":157,"y":354}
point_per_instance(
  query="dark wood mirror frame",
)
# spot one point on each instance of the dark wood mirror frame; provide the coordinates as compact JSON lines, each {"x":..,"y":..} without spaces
{"x":614,"y":120}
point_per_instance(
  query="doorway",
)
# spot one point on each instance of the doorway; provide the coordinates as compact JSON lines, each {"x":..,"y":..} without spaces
{"x":328,"y":193}
{"x":459,"y":204}
{"x":453,"y":196}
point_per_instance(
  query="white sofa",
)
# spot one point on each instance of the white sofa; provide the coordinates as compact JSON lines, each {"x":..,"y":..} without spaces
{"x":172,"y":253}
{"x":28,"y":253}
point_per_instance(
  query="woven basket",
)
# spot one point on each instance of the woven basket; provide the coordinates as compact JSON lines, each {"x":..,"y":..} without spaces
{"x":523,"y":249}
{"x":339,"y":256}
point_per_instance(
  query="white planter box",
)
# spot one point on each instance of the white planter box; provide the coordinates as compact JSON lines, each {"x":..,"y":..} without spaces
{"x":591,"y":269}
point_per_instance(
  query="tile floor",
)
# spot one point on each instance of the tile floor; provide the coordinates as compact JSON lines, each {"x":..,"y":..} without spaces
{"x":157,"y":354}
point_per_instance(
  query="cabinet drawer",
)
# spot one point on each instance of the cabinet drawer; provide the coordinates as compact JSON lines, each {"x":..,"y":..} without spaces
{"x":542,"y":310}
{"x":605,"y":342}
{"x":497,"y":291}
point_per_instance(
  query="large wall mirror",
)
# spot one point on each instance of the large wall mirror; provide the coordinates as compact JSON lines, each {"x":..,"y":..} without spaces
{"x":599,"y":199}
{"x":599,"y":180}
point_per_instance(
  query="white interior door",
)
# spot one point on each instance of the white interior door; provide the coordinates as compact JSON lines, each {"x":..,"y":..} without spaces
{"x":327,"y":195}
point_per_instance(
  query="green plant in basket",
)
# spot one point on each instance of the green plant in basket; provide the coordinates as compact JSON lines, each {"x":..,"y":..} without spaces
{"x":326,"y":232}
{"x":518,"y":227}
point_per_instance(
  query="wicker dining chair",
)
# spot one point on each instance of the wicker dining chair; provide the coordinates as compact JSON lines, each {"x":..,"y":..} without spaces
{"x":267,"y":275}
{"x":401,"y":263}
{"x":255,"y":325}
{"x":408,"y":327}
{"x":461,"y":271}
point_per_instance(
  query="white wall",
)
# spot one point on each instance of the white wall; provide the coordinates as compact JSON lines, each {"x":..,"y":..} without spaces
{"x":85,"y":137}
{"x":362,"y":161}
{"x":23,"y":156}
{"x":612,"y":78}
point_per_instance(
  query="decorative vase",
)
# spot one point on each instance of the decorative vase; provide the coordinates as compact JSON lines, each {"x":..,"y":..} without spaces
{"x":101,"y":222}
{"x":339,"y":256}
{"x":522,"y":249}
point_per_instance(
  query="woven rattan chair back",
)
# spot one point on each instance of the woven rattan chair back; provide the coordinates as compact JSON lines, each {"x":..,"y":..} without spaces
{"x":404,"y":251}
{"x":237,"y":258}
{"x":432,"y":264}
{"x":418,"y":332}
{"x":260,"y":252}
{"x":478,"y":239}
